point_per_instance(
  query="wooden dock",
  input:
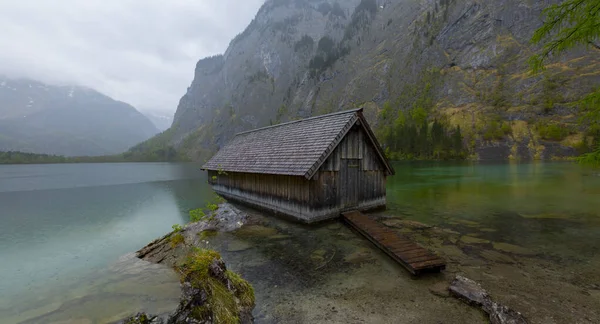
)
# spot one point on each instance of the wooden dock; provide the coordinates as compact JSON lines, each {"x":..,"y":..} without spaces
{"x":412,"y":256}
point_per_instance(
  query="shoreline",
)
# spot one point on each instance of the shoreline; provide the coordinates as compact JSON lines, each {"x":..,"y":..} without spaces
{"x":510,"y":276}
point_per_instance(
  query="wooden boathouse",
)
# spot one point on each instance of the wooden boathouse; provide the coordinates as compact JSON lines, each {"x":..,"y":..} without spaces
{"x":311,"y":169}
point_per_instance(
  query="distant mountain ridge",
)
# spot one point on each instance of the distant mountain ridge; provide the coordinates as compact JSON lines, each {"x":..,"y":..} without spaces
{"x":66,"y":120}
{"x":160,"y":118}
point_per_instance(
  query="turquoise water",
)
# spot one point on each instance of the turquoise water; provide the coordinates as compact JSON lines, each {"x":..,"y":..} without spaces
{"x":62,"y":224}
{"x":547,"y":207}
{"x":66,"y":231}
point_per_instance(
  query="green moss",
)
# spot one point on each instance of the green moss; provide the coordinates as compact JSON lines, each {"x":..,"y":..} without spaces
{"x":207,"y":234}
{"x":197,"y":215}
{"x":176,"y":239}
{"x":244,"y":291}
{"x":198,"y":262}
{"x":222,"y":302}
{"x":223,"y":305}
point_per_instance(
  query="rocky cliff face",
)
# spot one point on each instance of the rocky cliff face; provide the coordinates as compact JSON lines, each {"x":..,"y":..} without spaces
{"x":467,"y":60}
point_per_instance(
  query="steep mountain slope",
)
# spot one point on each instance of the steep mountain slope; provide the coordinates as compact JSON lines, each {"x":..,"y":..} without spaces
{"x":40,"y":118}
{"x":407,"y":62}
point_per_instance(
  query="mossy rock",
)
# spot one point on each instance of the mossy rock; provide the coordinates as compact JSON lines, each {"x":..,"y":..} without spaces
{"x":467,"y":223}
{"x":211,"y":293}
{"x":207,"y":234}
{"x":473,"y":240}
{"x":402,"y":223}
{"x":279,"y":237}
{"x":495,"y":256}
{"x":256,"y":231}
{"x":237,"y":246}
{"x":510,"y":248}
{"x":359,"y":256}
{"x":318,"y":255}
{"x":546,"y":216}
{"x":176,"y":239}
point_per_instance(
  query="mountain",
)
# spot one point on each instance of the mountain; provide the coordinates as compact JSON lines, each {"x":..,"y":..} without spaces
{"x":160,"y":118}
{"x":65,"y":120}
{"x":409,"y":64}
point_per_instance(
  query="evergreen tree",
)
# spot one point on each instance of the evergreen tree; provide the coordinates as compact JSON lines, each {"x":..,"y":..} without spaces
{"x":569,"y":24}
{"x":457,"y":141}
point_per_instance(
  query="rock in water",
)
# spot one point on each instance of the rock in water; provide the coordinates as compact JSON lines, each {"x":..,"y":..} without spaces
{"x":500,"y":314}
{"x":472,"y":292}
{"x":209,"y":294}
{"x":167,"y":250}
{"x":143,"y":318}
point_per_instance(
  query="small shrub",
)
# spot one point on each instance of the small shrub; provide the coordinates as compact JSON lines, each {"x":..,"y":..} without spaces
{"x":198,"y":262}
{"x":496,"y":131}
{"x":553,"y":132}
{"x":197,"y":215}
{"x":176,"y":239}
{"x":212,"y":207}
{"x":176,"y":228}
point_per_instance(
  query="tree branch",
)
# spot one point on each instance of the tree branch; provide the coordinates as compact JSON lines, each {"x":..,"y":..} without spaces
{"x":594,"y":44}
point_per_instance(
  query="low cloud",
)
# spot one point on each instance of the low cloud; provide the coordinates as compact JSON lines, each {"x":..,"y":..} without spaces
{"x":139,"y":51}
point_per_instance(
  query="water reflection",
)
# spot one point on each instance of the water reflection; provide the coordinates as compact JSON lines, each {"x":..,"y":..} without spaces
{"x":551,"y":208}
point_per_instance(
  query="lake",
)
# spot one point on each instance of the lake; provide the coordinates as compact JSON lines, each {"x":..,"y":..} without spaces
{"x":526,"y":231}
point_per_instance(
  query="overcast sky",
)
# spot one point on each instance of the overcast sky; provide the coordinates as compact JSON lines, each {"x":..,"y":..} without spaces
{"x":142,"y":52}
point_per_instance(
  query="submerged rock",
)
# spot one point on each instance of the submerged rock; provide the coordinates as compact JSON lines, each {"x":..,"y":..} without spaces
{"x":511,"y":248}
{"x":359,"y":256}
{"x":495,"y":256}
{"x":209,"y":292}
{"x":440,"y":289}
{"x":143,"y":318}
{"x":473,"y":240}
{"x":472,"y":293}
{"x":405,"y":224}
{"x":254,"y":231}
{"x":238,"y":246}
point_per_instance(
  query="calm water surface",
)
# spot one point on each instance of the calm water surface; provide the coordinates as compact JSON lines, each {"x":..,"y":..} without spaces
{"x":66,"y":231}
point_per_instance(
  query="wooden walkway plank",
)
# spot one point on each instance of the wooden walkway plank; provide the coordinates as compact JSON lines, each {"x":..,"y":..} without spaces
{"x":412,"y":256}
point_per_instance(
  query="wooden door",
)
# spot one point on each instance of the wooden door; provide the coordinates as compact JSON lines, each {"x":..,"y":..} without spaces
{"x":351,"y":181}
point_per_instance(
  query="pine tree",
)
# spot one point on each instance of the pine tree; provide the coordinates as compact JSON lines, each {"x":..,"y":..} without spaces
{"x":569,"y":24}
{"x":457,"y":141}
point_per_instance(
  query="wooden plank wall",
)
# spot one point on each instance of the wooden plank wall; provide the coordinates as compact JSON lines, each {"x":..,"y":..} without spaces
{"x":329,"y":187}
{"x":290,"y":188}
{"x":354,"y":146}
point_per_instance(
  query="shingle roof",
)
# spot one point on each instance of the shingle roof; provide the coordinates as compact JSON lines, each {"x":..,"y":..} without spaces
{"x":294,"y":148}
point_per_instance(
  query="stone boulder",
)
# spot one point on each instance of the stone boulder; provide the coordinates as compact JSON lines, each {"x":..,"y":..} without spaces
{"x":472,"y":293}
{"x":209,"y":294}
{"x":174,"y":246}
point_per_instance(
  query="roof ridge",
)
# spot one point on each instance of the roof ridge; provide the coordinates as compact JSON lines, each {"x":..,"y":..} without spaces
{"x":301,"y":120}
